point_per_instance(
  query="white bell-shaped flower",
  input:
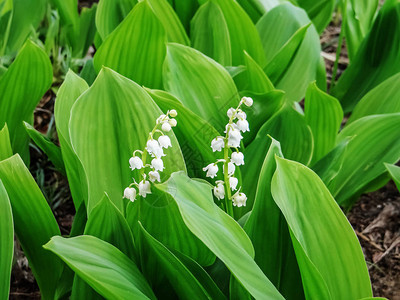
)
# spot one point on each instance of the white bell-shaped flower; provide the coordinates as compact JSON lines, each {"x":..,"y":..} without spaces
{"x":157,"y":164}
{"x":161,"y":119}
{"x":247,"y":101}
{"x":217,"y":144}
{"x":243,"y":125}
{"x":233,"y":182}
{"x":231,"y":168}
{"x":237,"y":158}
{"x":212,"y":170}
{"x":172,"y":122}
{"x":230,"y":112}
{"x":154,"y":176}
{"x":166,"y":127}
{"x":130,"y":193}
{"x":144,"y":188}
{"x":164,"y":141}
{"x":135,"y":162}
{"x":173,"y":113}
{"x":219,"y":190}
{"x":241,"y":115}
{"x":154,"y":149}
{"x":234,"y":138}
{"x":239,"y":199}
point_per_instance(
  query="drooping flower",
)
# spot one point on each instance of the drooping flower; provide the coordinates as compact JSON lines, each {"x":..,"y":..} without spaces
{"x":154,"y":149}
{"x":219,"y":190}
{"x":144,"y":188}
{"x":130,"y":193}
{"x":161,"y":119}
{"x":243,"y":125}
{"x":230,"y":112}
{"x":247,"y":101}
{"x":234,"y":137}
{"x":233,"y":182}
{"x":237,"y":158}
{"x":157,"y":164}
{"x":154,"y":176}
{"x":135,"y":162}
{"x":239,"y":199}
{"x":241,"y":115}
{"x":172,"y":122}
{"x":231,"y":168}
{"x":164,"y":141}
{"x":166,"y":127}
{"x":217,"y":144}
{"x":212,"y":170}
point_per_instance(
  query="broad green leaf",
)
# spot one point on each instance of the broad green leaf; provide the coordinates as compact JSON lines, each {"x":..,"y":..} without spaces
{"x":394,"y":171}
{"x":185,"y":9}
{"x":210,"y":33}
{"x":110,"y":272}
{"x":202,"y":85}
{"x":5,"y":144}
{"x":87,"y":31}
{"x":120,"y":51}
{"x":88,"y":72}
{"x":170,"y":21}
{"x":26,"y":17}
{"x":72,"y":87}
{"x":110,"y":13}
{"x":106,"y":223}
{"x":6,"y":242}
{"x":324,"y":115}
{"x":34,"y":223}
{"x":181,"y":279}
{"x":105,"y":145}
{"x":330,"y":258}
{"x":377,"y":59}
{"x":193,"y":133}
{"x":21,"y":88}
{"x":257,"y":8}
{"x":320,"y":11}
{"x":6,"y":11}
{"x":242,"y":32}
{"x":383,"y":99}
{"x":219,"y":232}
{"x":363,"y":161}
{"x":253,"y":78}
{"x":52,"y":151}
{"x":269,"y":234}
{"x":276,"y":29}
{"x":359,"y":19}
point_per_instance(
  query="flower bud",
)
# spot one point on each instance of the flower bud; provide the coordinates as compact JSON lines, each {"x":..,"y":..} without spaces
{"x":173,"y":113}
{"x":247,"y":101}
{"x":172,"y":122}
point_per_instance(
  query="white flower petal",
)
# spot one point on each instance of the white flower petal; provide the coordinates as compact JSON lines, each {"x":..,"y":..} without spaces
{"x":154,"y":176}
{"x":157,"y":164}
{"x":217,"y":144}
{"x":247,"y":101}
{"x":130,"y":193}
{"x":233,"y":182}
{"x":166,"y":127}
{"x":212,"y":170}
{"x":237,"y":158}
{"x":164,"y":141}
{"x":144,"y":188}
{"x":239,"y":199}
{"x":135,"y":162}
{"x":219,"y":191}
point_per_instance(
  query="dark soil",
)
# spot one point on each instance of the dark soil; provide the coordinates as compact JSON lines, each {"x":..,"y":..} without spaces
{"x":375,"y":217}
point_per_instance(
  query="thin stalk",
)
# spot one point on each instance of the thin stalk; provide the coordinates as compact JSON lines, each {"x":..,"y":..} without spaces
{"x":228,"y":198}
{"x":339,"y":47}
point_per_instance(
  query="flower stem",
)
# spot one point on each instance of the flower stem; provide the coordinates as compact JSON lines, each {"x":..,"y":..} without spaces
{"x":228,"y":195}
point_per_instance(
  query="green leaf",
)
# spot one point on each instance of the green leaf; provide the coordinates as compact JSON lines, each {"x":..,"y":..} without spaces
{"x":324,"y":115}
{"x":120,"y":51}
{"x":34,"y":223}
{"x":219,"y":232}
{"x":170,"y":21}
{"x":383,"y":99}
{"x":110,"y":13}
{"x":394,"y":171}
{"x":330,"y":258}
{"x":26,"y":17}
{"x":210,"y":33}
{"x":72,"y":87}
{"x":377,"y":59}
{"x":5,"y":144}
{"x":88,"y":72}
{"x":185,"y":9}
{"x":269,"y":233}
{"x":363,"y":160}
{"x":6,"y":12}
{"x":106,"y":223}
{"x":359,"y":19}
{"x":110,"y":272}
{"x":6,"y":242}
{"x":242,"y":32}
{"x":21,"y":88}
{"x":193,"y":133}
{"x":87,"y":30}
{"x":182,"y":280}
{"x":193,"y":77}
{"x":320,"y":12}
{"x":281,"y":29}
{"x":52,"y":151}
{"x":104,"y":146}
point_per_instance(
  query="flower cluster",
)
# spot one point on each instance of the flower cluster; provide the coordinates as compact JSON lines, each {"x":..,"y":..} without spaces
{"x":233,"y":135}
{"x":155,"y":149}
